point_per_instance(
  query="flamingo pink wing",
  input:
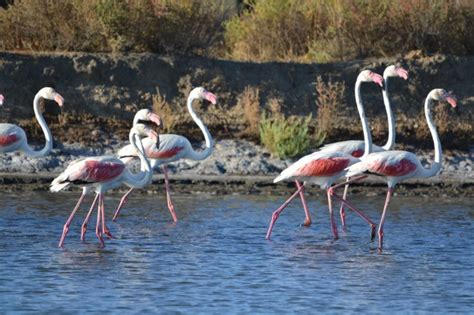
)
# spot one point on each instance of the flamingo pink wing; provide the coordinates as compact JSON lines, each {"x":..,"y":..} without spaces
{"x":398,"y":168}
{"x":93,"y":171}
{"x":8,"y":139}
{"x":323,"y":167}
{"x":156,"y":154}
{"x":357,"y":153}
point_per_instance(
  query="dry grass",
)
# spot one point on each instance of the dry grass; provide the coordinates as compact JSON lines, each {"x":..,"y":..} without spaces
{"x":330,"y":30}
{"x":249,"y":102}
{"x":111,"y":25}
{"x":330,"y":101}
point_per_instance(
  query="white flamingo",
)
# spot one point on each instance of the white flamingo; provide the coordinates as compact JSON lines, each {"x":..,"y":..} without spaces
{"x":172,"y":148}
{"x":324,"y":167}
{"x":396,"y":166}
{"x":356,"y":147}
{"x":103,"y":173}
{"x":13,"y":138}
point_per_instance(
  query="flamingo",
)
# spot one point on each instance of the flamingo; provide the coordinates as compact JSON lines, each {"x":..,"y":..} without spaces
{"x":356,"y":147}
{"x":396,"y":166}
{"x":2,"y":99}
{"x":171,"y":148}
{"x":324,"y":167}
{"x":102,"y":173}
{"x":13,"y":138}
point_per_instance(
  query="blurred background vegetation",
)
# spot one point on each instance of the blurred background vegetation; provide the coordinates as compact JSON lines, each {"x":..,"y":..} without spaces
{"x":257,"y":30}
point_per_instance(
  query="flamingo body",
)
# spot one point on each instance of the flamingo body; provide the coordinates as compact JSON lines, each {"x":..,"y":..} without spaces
{"x":11,"y":137}
{"x":394,"y":165}
{"x":171,"y":148}
{"x":92,"y":171}
{"x":320,"y":168}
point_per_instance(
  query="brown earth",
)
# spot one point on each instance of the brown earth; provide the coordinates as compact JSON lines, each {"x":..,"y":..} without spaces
{"x":103,"y":91}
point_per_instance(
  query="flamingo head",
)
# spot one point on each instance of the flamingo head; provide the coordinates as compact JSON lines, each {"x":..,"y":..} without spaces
{"x":147,"y":117}
{"x":50,"y":94}
{"x":1,"y":99}
{"x":202,"y":93}
{"x":442,"y":95}
{"x":395,"y":71}
{"x":143,"y":130}
{"x":370,"y":76}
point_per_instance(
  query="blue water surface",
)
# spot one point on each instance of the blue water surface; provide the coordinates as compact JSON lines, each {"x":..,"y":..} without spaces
{"x":216,"y":258}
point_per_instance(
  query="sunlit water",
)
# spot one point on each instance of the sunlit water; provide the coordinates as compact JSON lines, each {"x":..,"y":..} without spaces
{"x":216,"y":259}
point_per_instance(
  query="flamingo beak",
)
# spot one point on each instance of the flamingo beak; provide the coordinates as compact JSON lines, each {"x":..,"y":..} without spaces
{"x":210,"y":97}
{"x":402,"y":73}
{"x":153,"y":135}
{"x":59,"y":99}
{"x":452,"y":101}
{"x":1,"y":99}
{"x":155,"y":118}
{"x":377,"y":78}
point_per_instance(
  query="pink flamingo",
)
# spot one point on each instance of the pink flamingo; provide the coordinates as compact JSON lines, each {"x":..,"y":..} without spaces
{"x":2,"y":99}
{"x":396,"y":166}
{"x":172,"y":148}
{"x":324,"y":167}
{"x":356,"y":147}
{"x":101,"y":174}
{"x":13,"y":138}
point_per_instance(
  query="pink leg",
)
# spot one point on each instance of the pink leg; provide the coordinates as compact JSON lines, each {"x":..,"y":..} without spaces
{"x":360,"y":213}
{"x":331,"y":216}
{"x":122,"y":203}
{"x":69,"y":220}
{"x":168,"y":195}
{"x":105,"y":229}
{"x":86,"y":220}
{"x":382,"y":219}
{"x":277,"y":212}
{"x":98,"y":232}
{"x":342,"y":212}
{"x":307,"y":221}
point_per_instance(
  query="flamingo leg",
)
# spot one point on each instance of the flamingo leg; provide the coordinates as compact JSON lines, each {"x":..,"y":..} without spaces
{"x":98,"y":232}
{"x":382,"y":219}
{"x":342,"y":211}
{"x":331,"y":216}
{"x":122,"y":203}
{"x":105,"y":229}
{"x":307,"y":221}
{"x":69,"y":220}
{"x":168,"y":195}
{"x":360,"y":213}
{"x":88,"y":216}
{"x":277,"y":212}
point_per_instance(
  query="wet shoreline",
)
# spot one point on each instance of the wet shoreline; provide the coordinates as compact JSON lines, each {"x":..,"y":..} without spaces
{"x":254,"y":185}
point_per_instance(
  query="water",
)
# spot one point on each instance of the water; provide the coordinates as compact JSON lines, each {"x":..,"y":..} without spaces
{"x":217,"y":260}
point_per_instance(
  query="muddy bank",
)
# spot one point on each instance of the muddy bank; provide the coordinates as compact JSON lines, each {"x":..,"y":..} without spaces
{"x":103,"y":91}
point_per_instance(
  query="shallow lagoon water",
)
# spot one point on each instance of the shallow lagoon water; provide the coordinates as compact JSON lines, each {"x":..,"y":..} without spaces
{"x":216,"y":258}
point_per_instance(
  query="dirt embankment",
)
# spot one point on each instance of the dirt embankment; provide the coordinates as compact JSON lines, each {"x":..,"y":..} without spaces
{"x":103,"y":91}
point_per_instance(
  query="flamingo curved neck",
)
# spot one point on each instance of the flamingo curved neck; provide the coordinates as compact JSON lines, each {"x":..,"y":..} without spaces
{"x":391,"y":119}
{"x":144,"y":177}
{"x":436,"y":166}
{"x":365,"y":125}
{"x":47,"y":133}
{"x":199,"y":155}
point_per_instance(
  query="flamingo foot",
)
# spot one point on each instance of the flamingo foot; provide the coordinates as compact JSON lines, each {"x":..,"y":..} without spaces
{"x":107,"y":232}
{"x":83,"y":232}
{"x":307,"y":223}
{"x":101,"y":240}
{"x":63,"y":236}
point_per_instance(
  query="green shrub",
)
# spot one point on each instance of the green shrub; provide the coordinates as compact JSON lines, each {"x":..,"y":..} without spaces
{"x":285,"y":137}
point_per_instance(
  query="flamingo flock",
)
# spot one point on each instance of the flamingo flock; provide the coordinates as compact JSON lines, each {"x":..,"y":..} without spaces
{"x":353,"y":160}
